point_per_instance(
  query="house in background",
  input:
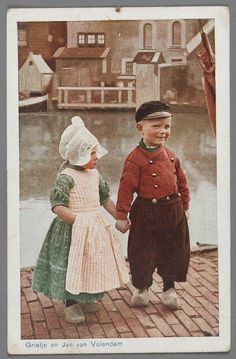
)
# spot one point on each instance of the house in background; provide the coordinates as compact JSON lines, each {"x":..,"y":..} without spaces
{"x":123,"y":63}
{"x":147,"y":75}
{"x":34,"y":76}
{"x":83,"y":67}
{"x":41,"y":38}
{"x":118,"y":64}
{"x":34,"y":84}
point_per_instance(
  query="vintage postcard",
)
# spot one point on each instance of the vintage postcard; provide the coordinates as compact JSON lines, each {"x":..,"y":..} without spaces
{"x":132,"y":256}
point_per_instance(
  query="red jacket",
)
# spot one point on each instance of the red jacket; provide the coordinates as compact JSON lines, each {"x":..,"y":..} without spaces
{"x":151,"y":175}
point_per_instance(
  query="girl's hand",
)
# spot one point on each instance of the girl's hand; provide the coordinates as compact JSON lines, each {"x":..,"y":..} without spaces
{"x":65,"y":214}
{"x":187,"y":214}
{"x":123,"y":225}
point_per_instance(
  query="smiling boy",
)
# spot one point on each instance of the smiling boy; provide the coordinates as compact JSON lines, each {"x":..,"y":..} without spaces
{"x":159,"y":236}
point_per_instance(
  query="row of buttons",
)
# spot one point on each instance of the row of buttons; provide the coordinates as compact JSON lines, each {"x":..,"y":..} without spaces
{"x":151,"y":161}
{"x":154,"y":200}
{"x":154,"y":175}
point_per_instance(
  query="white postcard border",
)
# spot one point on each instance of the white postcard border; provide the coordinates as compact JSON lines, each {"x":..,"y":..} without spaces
{"x":152,"y":345}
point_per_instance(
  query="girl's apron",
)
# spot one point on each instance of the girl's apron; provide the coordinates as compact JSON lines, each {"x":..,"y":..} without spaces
{"x":96,"y":262}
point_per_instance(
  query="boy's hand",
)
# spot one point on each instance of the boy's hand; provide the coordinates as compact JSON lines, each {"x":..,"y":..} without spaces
{"x":123,"y":225}
{"x":187,"y":214}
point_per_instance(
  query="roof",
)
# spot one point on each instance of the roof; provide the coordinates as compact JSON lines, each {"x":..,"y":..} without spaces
{"x":148,"y":57}
{"x":82,"y":52}
{"x":59,"y":51}
{"x":196,"y":40}
{"x":41,"y":64}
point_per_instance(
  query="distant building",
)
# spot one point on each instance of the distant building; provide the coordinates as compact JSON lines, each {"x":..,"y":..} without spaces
{"x":148,"y":56}
{"x":34,"y":76}
{"x":118,"y":63}
{"x":41,"y":38}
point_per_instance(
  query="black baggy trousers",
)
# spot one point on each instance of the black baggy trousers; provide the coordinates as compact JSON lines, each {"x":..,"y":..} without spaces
{"x":158,"y":240}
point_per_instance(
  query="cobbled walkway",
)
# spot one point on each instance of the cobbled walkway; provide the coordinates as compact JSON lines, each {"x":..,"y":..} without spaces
{"x":42,"y":318}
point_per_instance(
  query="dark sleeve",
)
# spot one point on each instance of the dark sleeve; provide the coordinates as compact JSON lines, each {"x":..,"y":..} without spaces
{"x":182,"y":185}
{"x":104,"y":190}
{"x":60,"y":193}
{"x":128,"y":186}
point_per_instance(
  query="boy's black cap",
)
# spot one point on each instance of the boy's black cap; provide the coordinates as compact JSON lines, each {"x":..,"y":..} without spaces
{"x":152,"y":109}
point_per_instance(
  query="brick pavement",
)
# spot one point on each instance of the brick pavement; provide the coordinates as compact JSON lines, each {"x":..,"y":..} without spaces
{"x":42,"y":318}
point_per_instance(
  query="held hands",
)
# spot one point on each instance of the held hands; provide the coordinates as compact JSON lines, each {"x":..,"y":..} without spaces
{"x":123,"y":225}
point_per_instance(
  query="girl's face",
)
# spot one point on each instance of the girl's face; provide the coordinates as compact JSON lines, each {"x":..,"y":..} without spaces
{"x":155,"y":131}
{"x":93,"y":161}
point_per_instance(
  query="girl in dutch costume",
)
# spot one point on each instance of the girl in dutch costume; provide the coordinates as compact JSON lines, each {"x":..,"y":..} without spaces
{"x":81,"y":257}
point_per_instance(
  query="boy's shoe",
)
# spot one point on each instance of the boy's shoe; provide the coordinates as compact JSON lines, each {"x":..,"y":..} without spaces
{"x":170,"y":299}
{"x":90,"y":307}
{"x":140,"y":298}
{"x":74,"y":314}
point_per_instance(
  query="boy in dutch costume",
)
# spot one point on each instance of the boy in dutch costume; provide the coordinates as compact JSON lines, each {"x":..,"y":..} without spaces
{"x":159,"y":235}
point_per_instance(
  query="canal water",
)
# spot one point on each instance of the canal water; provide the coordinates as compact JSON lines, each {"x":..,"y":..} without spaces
{"x":192,"y":140}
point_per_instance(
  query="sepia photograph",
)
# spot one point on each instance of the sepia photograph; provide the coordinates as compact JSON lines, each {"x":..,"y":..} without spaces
{"x":118,"y":180}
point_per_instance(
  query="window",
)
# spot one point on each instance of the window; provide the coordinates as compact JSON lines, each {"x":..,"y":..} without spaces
{"x":81,"y":39}
{"x":101,"y":39}
{"x":176,"y":34}
{"x":129,"y":68}
{"x":91,"y":39}
{"x":176,"y":60}
{"x":147,"y":36}
{"x":22,"y":37}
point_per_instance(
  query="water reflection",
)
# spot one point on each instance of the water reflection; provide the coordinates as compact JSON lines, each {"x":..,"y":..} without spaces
{"x":191,"y":139}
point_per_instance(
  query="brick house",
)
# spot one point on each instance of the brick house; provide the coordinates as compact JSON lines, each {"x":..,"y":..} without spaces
{"x":40,"y":38}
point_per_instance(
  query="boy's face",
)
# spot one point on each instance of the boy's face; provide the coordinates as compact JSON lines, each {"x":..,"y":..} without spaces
{"x":155,"y":131}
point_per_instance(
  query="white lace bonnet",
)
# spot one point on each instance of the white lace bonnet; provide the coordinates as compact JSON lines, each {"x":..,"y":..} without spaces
{"x":77,"y":142}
